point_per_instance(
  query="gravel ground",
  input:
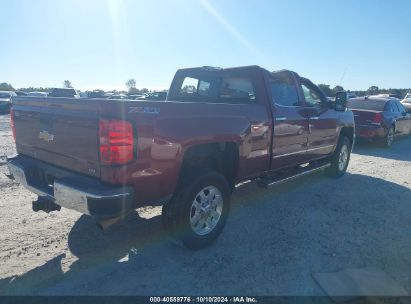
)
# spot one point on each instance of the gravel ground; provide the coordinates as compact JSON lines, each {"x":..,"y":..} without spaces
{"x":274,"y":241}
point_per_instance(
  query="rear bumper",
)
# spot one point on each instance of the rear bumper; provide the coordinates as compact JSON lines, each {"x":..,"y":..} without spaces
{"x":369,"y":131}
{"x":72,"y":190}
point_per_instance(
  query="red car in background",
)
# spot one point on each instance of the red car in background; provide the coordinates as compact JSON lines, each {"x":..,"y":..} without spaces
{"x":380,"y":118}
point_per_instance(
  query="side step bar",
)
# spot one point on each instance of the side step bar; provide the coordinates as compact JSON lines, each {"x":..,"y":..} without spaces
{"x":277,"y":180}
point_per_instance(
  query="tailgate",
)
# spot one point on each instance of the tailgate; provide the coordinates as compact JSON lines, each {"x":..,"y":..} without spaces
{"x":59,"y":131}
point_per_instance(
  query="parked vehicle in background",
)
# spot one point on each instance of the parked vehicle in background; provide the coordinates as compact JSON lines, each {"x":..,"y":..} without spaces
{"x":389,"y":95}
{"x":96,"y":94}
{"x":37,"y":94}
{"x":158,"y":96}
{"x":120,"y":96}
{"x":64,"y":92}
{"x":218,"y":127}
{"x":21,"y":93}
{"x":406,"y":102}
{"x":380,"y":118}
{"x":135,"y":96}
{"x":5,"y":100}
{"x":351,"y":95}
{"x":348,"y":94}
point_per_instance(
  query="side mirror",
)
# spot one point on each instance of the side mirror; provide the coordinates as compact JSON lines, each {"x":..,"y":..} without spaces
{"x":341,"y":101}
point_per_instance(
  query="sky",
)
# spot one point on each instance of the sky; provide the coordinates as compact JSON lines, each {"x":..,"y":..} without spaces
{"x":103,"y":43}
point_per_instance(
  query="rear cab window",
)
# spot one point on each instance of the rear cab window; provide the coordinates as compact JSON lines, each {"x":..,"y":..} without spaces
{"x":215,"y":88}
{"x":193,"y":87}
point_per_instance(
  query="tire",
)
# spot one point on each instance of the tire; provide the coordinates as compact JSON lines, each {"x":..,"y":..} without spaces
{"x":389,"y":137}
{"x":196,"y":214}
{"x":340,"y":159}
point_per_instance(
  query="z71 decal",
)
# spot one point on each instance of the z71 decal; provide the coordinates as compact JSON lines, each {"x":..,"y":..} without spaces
{"x":146,"y":110}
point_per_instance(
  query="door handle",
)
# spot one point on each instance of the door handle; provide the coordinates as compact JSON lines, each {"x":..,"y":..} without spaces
{"x":281,"y":118}
{"x":315,"y":118}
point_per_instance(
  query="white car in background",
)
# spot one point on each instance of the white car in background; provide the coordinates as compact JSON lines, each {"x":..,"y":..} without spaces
{"x":37,"y":94}
{"x":406,"y":102}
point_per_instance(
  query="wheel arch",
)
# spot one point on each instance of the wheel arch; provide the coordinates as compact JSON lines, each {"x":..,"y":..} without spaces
{"x":222,"y":157}
{"x":348,"y":132}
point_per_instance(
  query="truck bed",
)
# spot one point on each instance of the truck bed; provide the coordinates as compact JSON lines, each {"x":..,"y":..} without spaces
{"x":65,"y":132}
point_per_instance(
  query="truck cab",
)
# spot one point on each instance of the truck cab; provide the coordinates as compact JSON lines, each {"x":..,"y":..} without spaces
{"x":296,"y":117}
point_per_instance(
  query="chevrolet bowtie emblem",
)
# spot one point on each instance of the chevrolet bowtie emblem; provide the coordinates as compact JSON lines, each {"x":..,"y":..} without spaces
{"x":46,"y":136}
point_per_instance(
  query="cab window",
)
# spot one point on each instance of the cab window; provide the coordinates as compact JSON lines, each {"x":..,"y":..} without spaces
{"x":237,"y":89}
{"x":311,"y":94}
{"x":283,"y":90}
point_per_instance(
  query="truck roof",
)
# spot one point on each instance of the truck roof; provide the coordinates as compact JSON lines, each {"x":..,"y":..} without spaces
{"x":219,"y":69}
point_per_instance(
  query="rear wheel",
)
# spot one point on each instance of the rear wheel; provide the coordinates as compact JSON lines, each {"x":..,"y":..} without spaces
{"x":341,"y":158}
{"x":389,"y":137}
{"x":197,"y":213}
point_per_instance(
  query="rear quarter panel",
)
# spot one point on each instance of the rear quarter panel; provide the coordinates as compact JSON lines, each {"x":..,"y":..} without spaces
{"x":166,"y":130}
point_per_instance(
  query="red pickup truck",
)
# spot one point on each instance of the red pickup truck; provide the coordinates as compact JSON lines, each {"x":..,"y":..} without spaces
{"x":218,"y":127}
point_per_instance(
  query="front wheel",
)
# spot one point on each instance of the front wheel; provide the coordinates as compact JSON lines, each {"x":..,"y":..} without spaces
{"x":341,"y":158}
{"x":197,"y":213}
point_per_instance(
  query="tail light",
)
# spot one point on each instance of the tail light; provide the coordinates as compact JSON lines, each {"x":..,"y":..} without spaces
{"x":13,"y":128}
{"x":116,"y":142}
{"x":377,"y":118}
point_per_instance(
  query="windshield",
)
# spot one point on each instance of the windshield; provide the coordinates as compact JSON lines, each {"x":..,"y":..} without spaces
{"x":366,"y":105}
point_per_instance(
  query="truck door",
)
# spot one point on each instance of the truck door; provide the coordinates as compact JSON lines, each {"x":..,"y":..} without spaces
{"x":322,"y":121}
{"x":290,"y":134}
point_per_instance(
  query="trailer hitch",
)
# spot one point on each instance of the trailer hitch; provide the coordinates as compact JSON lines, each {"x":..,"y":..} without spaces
{"x":43,"y":204}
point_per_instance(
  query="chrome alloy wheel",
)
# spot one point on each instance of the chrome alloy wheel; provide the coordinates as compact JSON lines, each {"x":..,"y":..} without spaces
{"x":343,"y":158}
{"x":206,"y":210}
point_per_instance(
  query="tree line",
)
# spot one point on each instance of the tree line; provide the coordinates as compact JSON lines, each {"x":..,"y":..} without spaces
{"x":132,"y":89}
{"x":130,"y":84}
{"x":373,"y":90}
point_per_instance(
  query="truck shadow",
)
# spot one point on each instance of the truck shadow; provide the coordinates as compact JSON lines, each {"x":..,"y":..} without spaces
{"x":398,"y":151}
{"x":274,"y":240}
{"x":94,"y":249}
